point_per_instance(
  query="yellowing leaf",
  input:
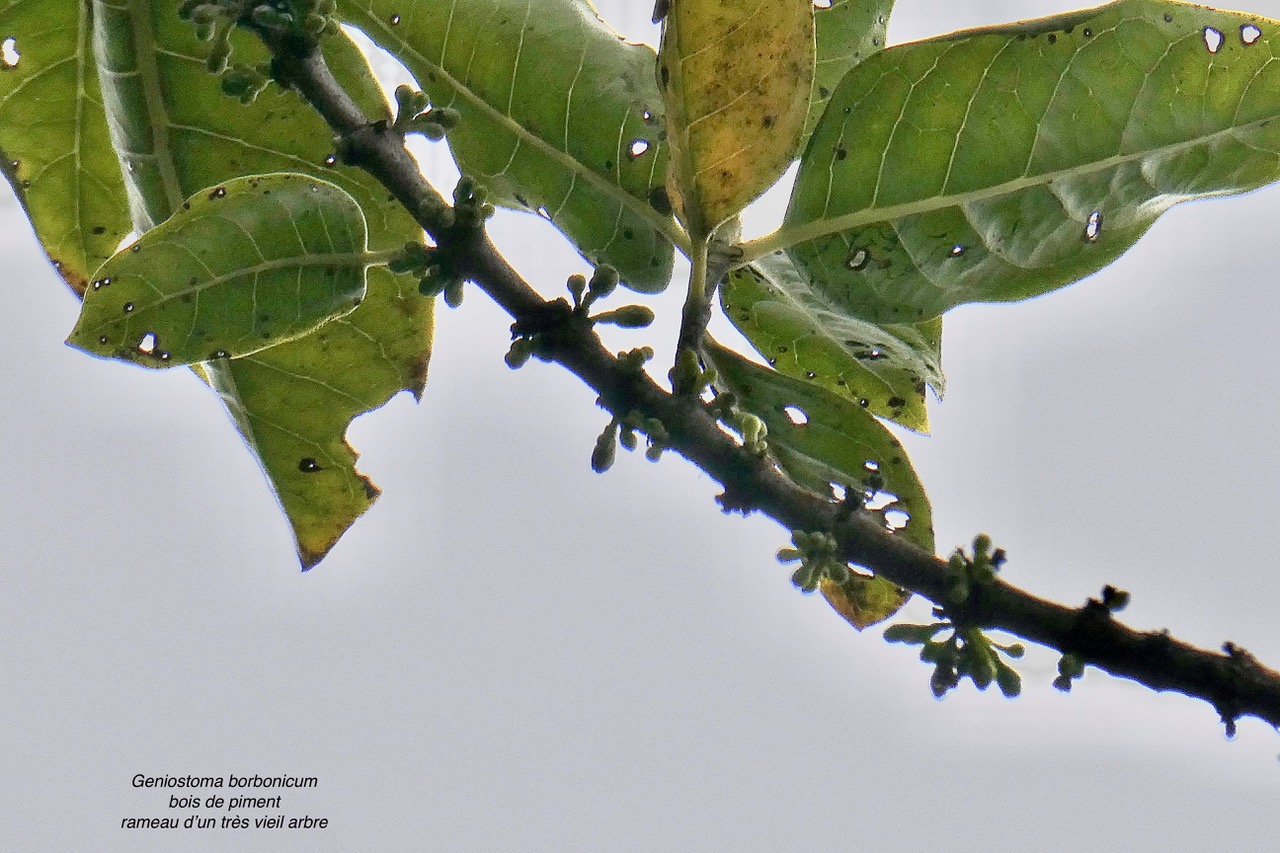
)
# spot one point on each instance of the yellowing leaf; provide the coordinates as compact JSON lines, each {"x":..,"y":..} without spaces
{"x":736,"y":78}
{"x":863,"y":601}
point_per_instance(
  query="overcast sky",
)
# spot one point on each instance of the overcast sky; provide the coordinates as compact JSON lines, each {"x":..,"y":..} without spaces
{"x":509,"y":652}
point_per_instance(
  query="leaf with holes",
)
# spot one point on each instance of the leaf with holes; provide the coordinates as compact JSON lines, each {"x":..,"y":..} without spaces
{"x":736,"y":78}
{"x":291,"y":402}
{"x":241,"y":267}
{"x":54,"y":147}
{"x":822,"y":439}
{"x":1002,"y":163}
{"x":845,"y":32}
{"x":558,"y":116}
{"x":804,"y":336}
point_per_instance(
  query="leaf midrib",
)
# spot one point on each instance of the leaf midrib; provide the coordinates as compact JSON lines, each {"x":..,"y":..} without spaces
{"x":791,"y":235}
{"x":146,"y":50}
{"x":350,"y":260}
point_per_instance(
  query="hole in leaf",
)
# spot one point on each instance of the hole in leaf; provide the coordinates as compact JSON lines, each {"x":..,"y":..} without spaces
{"x":218,"y":192}
{"x":880,"y":500}
{"x":838,"y":491}
{"x":957,"y":250}
{"x":896,"y":519}
{"x":871,"y":465}
{"x":127,"y":241}
{"x":544,"y":213}
{"x":101,"y":283}
{"x":858,"y":259}
{"x":1212,"y":39}
{"x":147,"y":345}
{"x":796,"y":415}
{"x":822,"y":4}
{"x":395,"y":19}
{"x":331,"y":160}
{"x":9,"y":55}
{"x":638,"y":147}
{"x":128,"y":308}
{"x":1093,"y":227}
{"x":1249,"y":34}
{"x":307,"y":465}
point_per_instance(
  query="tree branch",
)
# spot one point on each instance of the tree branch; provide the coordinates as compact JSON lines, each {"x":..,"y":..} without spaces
{"x":1232,"y":681}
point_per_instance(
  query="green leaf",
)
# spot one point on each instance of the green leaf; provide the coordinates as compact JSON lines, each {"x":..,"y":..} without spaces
{"x":821,"y":438}
{"x":846,"y":32}
{"x":736,"y":79}
{"x":558,"y":116}
{"x":999,"y":164}
{"x":804,"y":336}
{"x":291,"y":402}
{"x":241,"y":267}
{"x":54,"y":147}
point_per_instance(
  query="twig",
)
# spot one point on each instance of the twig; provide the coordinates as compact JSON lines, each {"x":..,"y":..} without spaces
{"x":1232,"y":681}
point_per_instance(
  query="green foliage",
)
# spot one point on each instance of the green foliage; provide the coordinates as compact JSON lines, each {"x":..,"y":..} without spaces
{"x":556,"y":115}
{"x":993,"y":164}
{"x":239,"y":268}
{"x":804,"y":336}
{"x":999,"y":164}
{"x":55,"y":149}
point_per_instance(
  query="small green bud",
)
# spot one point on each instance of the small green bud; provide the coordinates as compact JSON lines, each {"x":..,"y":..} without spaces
{"x":577,"y":286}
{"x":1114,"y":599}
{"x":219,"y":54}
{"x":603,"y":281}
{"x":981,"y":545}
{"x":271,"y":18}
{"x":447,"y":117}
{"x":957,"y":562}
{"x":1008,"y":680}
{"x":519,"y":353}
{"x":982,"y":669}
{"x":627,"y":438}
{"x":1071,"y":665}
{"x":453,"y":294}
{"x":626,"y":317}
{"x":788,"y":555}
{"x":205,"y":14}
{"x":911,"y":635}
{"x":605,"y":451}
{"x":805,"y":578}
{"x":686,"y":373}
{"x":653,"y":452}
{"x":314,"y":25}
{"x":944,"y":678}
{"x":958,"y":591}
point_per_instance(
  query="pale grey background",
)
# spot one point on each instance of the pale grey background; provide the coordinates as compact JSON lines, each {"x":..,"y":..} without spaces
{"x":511,"y":653}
